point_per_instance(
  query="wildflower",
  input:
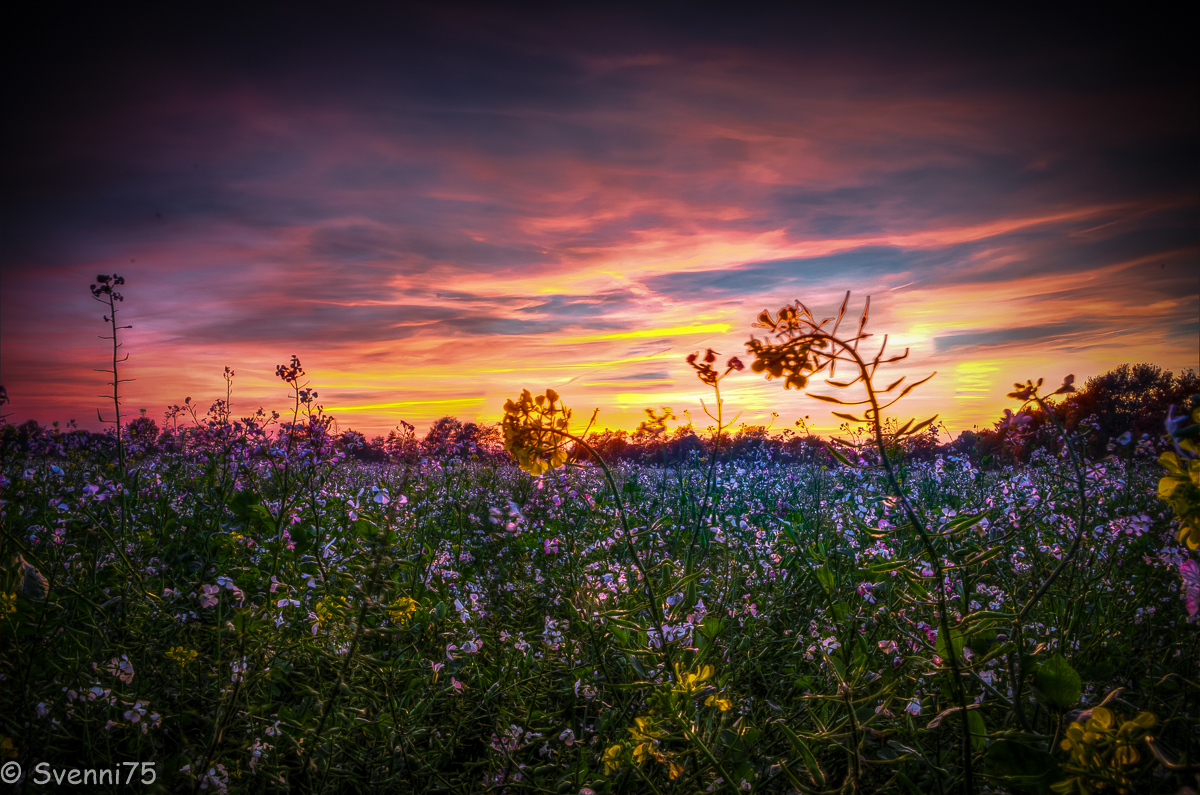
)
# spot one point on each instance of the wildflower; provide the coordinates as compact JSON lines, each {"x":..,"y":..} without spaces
{"x":238,"y":670}
{"x":692,"y":681}
{"x":914,"y":706}
{"x":612,"y":759}
{"x":210,"y":594}
{"x":122,"y":669}
{"x":402,"y":609}
{"x":1102,"y":751}
{"x":567,"y":737}
{"x":1180,"y":488}
{"x":134,"y":714}
{"x":535,"y":431}
{"x":645,"y":737}
{"x":1190,"y":572}
{"x":705,"y":371}
{"x":216,"y":777}
{"x":329,"y":608}
{"x":7,"y":749}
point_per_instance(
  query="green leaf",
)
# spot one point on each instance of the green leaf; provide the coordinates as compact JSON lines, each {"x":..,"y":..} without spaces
{"x":978,"y":730}
{"x":1057,"y":685}
{"x":825,"y":577}
{"x":841,"y":459}
{"x":957,"y":639}
{"x":802,"y":749}
{"x":711,"y":626}
{"x":1022,"y":768}
{"x":907,"y":783}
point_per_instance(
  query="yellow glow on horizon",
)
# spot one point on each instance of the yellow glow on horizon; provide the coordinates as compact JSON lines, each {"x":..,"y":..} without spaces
{"x":973,"y":379}
{"x":403,"y":403}
{"x":674,"y":331}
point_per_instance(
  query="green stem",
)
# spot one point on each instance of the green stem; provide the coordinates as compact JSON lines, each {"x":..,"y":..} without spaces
{"x":655,"y":606}
{"x":927,"y":543}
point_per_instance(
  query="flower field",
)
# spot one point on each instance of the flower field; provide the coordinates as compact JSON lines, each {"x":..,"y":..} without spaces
{"x":251,"y":611}
{"x":468,"y":627}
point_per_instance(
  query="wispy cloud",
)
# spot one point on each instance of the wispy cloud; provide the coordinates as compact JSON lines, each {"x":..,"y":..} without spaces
{"x":435,"y":219}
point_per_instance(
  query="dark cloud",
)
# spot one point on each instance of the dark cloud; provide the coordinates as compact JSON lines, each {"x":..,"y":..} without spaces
{"x":583,"y":306}
{"x":418,"y":174}
{"x":785,"y":280}
{"x":1044,"y":333}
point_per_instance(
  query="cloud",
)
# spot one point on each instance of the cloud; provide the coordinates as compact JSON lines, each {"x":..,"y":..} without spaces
{"x":439,"y":204}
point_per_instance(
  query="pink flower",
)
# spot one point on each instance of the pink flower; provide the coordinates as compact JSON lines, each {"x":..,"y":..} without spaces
{"x":1190,"y":572}
{"x":210,"y":594}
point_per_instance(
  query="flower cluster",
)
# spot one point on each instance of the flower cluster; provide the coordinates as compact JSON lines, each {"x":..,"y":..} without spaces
{"x":706,"y":373}
{"x":668,"y":706}
{"x":535,"y":431}
{"x":402,"y":609}
{"x":1180,"y":487}
{"x":1103,"y":751}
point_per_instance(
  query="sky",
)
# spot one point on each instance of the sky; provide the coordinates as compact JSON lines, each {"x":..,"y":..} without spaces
{"x":435,"y":207}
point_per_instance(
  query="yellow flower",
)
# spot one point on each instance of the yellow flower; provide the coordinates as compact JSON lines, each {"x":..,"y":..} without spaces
{"x":691,"y":681}
{"x":534,"y":429}
{"x":7,"y":749}
{"x":1180,"y":488}
{"x":8,"y":603}
{"x":646,"y":731}
{"x":612,"y":759}
{"x":182,"y":656}
{"x":329,"y":608}
{"x":403,"y":609}
{"x":720,"y":702}
{"x":643,"y":751}
{"x":1103,"y":749}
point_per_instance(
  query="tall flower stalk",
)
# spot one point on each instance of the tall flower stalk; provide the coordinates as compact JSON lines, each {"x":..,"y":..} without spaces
{"x":803,"y":348}
{"x":104,"y":291}
{"x":536,"y":429}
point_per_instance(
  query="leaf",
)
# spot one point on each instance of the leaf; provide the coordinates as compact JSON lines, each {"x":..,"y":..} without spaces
{"x":1057,"y":685}
{"x":805,"y":753}
{"x":941,"y":716}
{"x":711,"y":626}
{"x":978,"y":730}
{"x":841,"y":459}
{"x":958,"y":642}
{"x":908,"y":785}
{"x":847,"y":417}
{"x":827,"y":399}
{"x":1022,"y":768}
{"x":920,"y":425}
{"x":825,"y":577}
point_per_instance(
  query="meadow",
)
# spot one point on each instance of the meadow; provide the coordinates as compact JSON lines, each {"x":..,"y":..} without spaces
{"x":252,"y":609}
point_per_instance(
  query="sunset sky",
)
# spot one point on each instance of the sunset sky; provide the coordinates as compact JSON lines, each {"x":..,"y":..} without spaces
{"x":435,"y":209}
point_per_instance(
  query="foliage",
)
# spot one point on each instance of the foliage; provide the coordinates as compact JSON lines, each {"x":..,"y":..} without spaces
{"x":253,"y":609}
